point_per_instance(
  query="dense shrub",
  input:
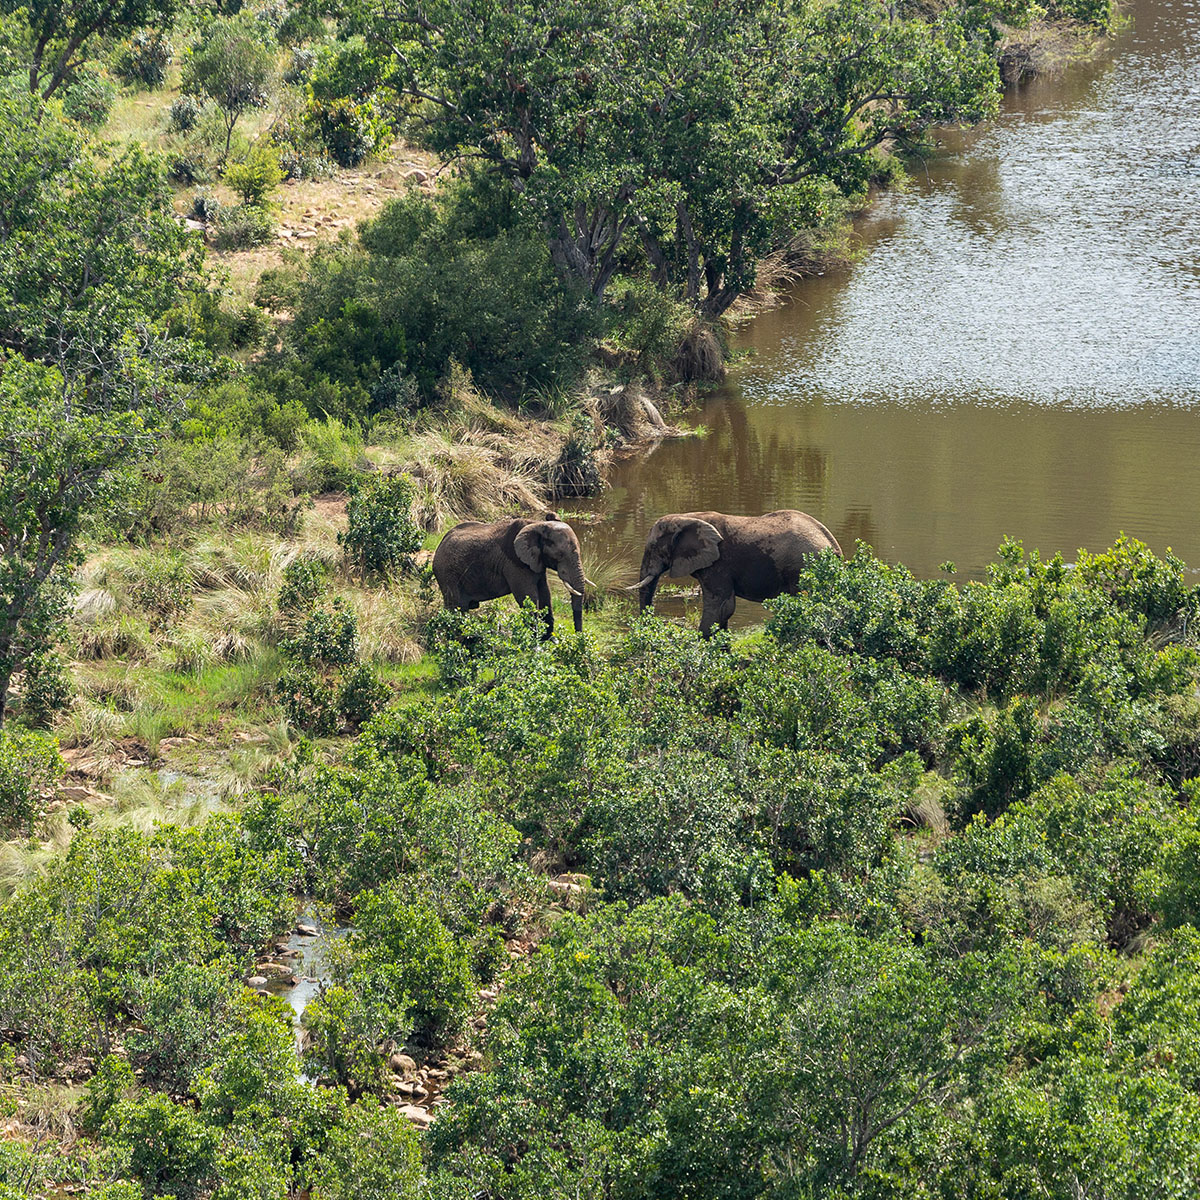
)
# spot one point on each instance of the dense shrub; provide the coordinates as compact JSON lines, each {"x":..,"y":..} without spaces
{"x":244,"y":226}
{"x":145,"y":58}
{"x":425,"y":287}
{"x":304,"y":580}
{"x":45,"y":689}
{"x":308,"y":701}
{"x":381,"y":535}
{"x":29,"y":764}
{"x":184,"y":113}
{"x":88,"y":99}
{"x":257,"y":176}
{"x":328,"y":637}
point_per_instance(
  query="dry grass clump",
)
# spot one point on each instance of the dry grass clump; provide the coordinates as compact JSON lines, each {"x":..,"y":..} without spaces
{"x":476,"y":475}
{"x":390,"y":623}
{"x":701,"y":356}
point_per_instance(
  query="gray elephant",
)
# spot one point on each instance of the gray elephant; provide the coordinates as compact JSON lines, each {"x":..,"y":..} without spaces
{"x":477,"y":561}
{"x":756,"y":558}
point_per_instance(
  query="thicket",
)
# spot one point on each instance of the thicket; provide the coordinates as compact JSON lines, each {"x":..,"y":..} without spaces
{"x":898,"y":898}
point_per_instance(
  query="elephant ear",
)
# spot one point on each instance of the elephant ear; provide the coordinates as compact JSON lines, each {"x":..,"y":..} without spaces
{"x":697,"y":545}
{"x":528,"y":546}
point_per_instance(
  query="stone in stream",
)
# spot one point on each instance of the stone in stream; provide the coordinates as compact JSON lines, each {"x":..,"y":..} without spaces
{"x":256,"y":981}
{"x":418,"y":1116}
{"x":306,"y":930}
{"x":403,"y":1065}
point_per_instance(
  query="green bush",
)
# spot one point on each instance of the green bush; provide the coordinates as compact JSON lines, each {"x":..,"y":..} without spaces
{"x":145,"y":58}
{"x":88,"y":99}
{"x":184,"y":113}
{"x":362,"y":695}
{"x":304,"y":580}
{"x":172,"y":1152}
{"x":345,"y":129}
{"x":46,"y":688}
{"x":308,"y":701}
{"x":113,"y":1082}
{"x":243,"y":227}
{"x":428,"y":286}
{"x":329,"y":637}
{"x":29,"y":764}
{"x":381,"y":534}
{"x":257,"y":176}
{"x":374,"y":1155}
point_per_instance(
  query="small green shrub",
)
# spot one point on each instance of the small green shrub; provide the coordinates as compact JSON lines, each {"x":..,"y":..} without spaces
{"x":308,"y":701}
{"x":29,"y":764}
{"x":345,"y":130}
{"x":162,"y":588}
{"x":304,"y":580}
{"x":243,"y":227}
{"x":46,"y":689}
{"x":257,"y":176}
{"x":144,"y":59}
{"x":373,"y":1155}
{"x":171,"y":1150}
{"x":329,"y":637}
{"x":113,"y":1082}
{"x":89,"y":99}
{"x":381,"y":534}
{"x":363,"y":694}
{"x":184,"y":113}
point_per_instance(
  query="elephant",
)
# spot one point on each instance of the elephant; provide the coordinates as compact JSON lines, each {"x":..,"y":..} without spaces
{"x":756,"y":558}
{"x":479,"y":561}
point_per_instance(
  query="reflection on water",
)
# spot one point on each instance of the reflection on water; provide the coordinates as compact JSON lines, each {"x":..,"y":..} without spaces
{"x":1016,"y":353}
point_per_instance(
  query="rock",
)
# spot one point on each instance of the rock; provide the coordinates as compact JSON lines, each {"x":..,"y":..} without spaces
{"x":75,"y":793}
{"x":256,"y":981}
{"x":417,"y":175}
{"x":306,"y":930}
{"x":438,"y":1073}
{"x":403,"y":1065}
{"x":418,"y":1116}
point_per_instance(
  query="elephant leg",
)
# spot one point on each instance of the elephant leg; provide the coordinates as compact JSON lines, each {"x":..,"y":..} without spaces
{"x":543,"y":600}
{"x":718,"y":608}
{"x":539,"y":592}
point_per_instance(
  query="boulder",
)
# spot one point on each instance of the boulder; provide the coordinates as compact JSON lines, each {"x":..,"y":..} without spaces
{"x":403,"y":1065}
{"x":418,"y":1116}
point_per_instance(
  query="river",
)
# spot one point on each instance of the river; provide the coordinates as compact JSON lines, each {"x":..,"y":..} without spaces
{"x":1015,"y":352}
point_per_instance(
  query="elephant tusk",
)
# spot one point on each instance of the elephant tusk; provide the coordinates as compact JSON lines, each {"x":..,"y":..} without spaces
{"x":637,"y":587}
{"x":590,"y":582}
{"x":571,"y":589}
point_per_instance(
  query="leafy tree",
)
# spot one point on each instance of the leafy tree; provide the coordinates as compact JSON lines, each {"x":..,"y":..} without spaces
{"x":688,"y":124}
{"x":62,"y":31}
{"x":91,"y":262}
{"x":234,"y":66}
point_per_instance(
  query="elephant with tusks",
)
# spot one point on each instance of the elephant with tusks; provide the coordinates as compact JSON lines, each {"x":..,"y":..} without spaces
{"x":754,"y":558}
{"x":478,"y":561}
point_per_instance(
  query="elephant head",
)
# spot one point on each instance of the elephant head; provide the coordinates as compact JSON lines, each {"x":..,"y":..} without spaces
{"x":552,"y":545}
{"x":676,"y":545}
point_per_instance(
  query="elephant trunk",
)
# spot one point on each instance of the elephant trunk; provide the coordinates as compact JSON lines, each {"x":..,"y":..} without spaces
{"x":647,"y":585}
{"x":570,"y":571}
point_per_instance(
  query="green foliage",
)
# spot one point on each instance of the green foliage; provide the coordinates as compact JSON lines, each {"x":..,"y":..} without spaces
{"x":144,"y":59}
{"x":63,"y":36}
{"x":234,"y":67}
{"x":245,"y":225}
{"x":363,"y":694}
{"x":45,"y":689}
{"x":304,"y":580}
{"x":381,"y":534}
{"x":257,"y":176}
{"x":112,"y":1083}
{"x":308,"y":701}
{"x":171,"y":1151}
{"x":424,"y":288}
{"x":345,"y":129}
{"x":328,"y":637}
{"x":374,"y":1155}
{"x":184,"y":113}
{"x":29,"y":764}
{"x":94,"y":260}
{"x":88,"y":99}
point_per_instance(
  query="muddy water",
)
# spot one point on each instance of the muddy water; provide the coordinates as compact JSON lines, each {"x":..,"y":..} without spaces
{"x":1016,"y":352}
